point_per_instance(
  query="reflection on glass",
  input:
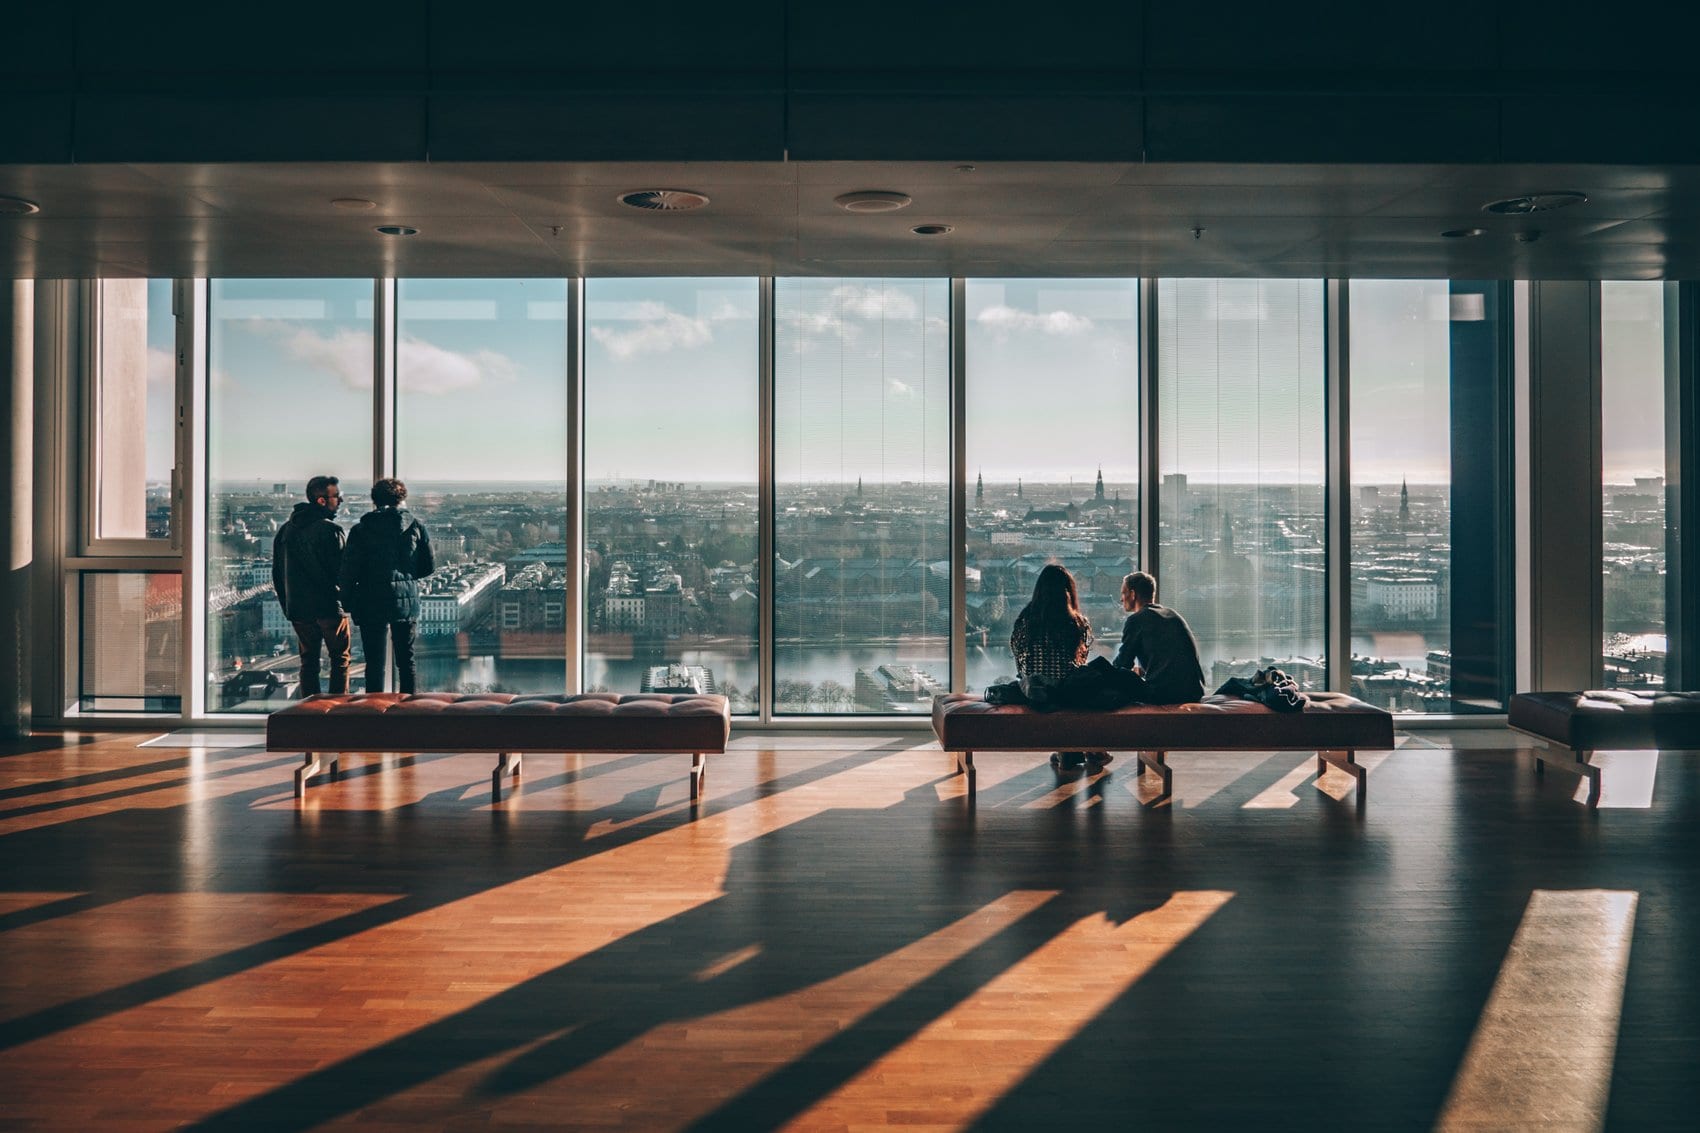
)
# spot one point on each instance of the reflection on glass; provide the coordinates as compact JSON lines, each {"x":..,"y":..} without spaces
{"x":862,"y":473}
{"x":289,"y":397}
{"x":1053,"y":453}
{"x":671,"y":453}
{"x":1401,"y":373}
{"x":131,"y":625}
{"x":135,"y":410}
{"x":481,"y":442}
{"x":1632,"y":443}
{"x":1240,"y":418}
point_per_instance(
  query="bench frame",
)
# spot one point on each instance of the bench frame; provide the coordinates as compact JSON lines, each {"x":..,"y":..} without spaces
{"x":1577,"y":764}
{"x":507,"y":763}
{"x":1157,"y":762}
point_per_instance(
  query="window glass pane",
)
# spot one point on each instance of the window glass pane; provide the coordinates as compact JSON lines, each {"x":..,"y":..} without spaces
{"x":1240,"y":417}
{"x":862,"y":486}
{"x":672,"y":373}
{"x":1053,"y":453}
{"x":1401,"y":373}
{"x":1632,"y":441}
{"x":135,"y":410}
{"x":289,"y":397}
{"x":481,"y":441}
{"x":132,"y":635}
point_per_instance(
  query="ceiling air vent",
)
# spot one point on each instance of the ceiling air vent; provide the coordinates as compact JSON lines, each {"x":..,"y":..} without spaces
{"x":664,"y":200}
{"x":872,"y":200}
{"x":1535,"y":202}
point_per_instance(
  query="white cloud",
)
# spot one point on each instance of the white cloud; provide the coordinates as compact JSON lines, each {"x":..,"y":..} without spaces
{"x":1003,"y":320}
{"x":657,"y":330}
{"x":162,"y":367}
{"x":902,"y":389}
{"x":424,"y":367}
{"x":427,"y":368}
{"x":874,"y":302}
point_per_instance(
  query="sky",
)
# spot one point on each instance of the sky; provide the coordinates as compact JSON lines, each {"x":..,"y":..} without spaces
{"x":862,"y":373}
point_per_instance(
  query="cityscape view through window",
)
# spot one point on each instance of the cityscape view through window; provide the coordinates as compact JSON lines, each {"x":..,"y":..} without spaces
{"x":135,"y":383}
{"x":861,"y":465}
{"x":1240,"y":371}
{"x":1632,"y":448}
{"x":1053,"y":453}
{"x":671,"y":514}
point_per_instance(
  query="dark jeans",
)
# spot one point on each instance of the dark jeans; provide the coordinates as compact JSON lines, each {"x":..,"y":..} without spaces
{"x":334,"y":635}
{"x":375,"y":638}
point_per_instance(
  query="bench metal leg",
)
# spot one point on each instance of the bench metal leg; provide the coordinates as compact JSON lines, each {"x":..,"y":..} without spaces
{"x":1577,"y":764}
{"x":309,"y":767}
{"x":965,"y":762}
{"x":507,"y":763}
{"x":1157,"y":763}
{"x":1346,"y":761}
{"x":699,"y":770}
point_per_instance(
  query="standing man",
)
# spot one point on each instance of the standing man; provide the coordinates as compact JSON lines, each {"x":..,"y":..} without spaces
{"x":306,"y":560}
{"x":388,"y":553}
{"x":1158,"y":647}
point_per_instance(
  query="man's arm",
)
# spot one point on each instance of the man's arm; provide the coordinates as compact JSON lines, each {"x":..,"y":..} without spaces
{"x":1130,"y":650}
{"x":425,"y":559}
{"x":348,"y":570}
{"x":278,"y":572}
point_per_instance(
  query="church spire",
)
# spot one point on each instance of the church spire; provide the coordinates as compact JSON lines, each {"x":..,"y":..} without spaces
{"x":1404,"y":501}
{"x":1098,"y":492}
{"x":979,"y":487}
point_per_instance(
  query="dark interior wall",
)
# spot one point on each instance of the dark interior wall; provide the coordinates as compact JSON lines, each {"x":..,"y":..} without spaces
{"x":672,"y":80}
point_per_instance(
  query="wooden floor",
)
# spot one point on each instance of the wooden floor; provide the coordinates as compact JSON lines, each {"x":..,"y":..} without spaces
{"x":838,"y":937}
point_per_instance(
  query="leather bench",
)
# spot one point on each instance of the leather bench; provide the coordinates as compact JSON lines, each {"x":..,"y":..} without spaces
{"x":502,"y":723}
{"x":1606,"y":720}
{"x":1335,"y":726}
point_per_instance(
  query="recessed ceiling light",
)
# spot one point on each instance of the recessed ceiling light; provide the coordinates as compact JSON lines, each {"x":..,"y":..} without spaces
{"x":17,"y":206}
{"x":965,"y":169}
{"x":1461,"y":233}
{"x":872,"y":200}
{"x":396,"y":230}
{"x":1529,"y":236}
{"x":664,"y":200}
{"x":932,"y":229}
{"x":353,"y":204}
{"x":1536,"y":202}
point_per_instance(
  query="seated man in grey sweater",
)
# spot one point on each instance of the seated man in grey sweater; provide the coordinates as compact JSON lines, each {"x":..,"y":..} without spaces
{"x":1157,"y":647}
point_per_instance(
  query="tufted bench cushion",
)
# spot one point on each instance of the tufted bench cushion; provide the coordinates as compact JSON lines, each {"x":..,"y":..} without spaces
{"x":1334,"y":725}
{"x":503,"y":723}
{"x":1607,"y":719}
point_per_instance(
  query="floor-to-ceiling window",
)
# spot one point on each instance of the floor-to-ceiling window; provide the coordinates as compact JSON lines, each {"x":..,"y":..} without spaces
{"x":671,"y":460}
{"x":1401,"y":483}
{"x":1632,"y":447}
{"x":481,"y":442}
{"x":1242,"y":456}
{"x":289,"y":397}
{"x":134,"y":418}
{"x":862,"y":490}
{"x":1052,"y":414}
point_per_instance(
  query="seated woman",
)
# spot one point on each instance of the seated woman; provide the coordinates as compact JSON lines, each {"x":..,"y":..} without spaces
{"x":1050,"y":641}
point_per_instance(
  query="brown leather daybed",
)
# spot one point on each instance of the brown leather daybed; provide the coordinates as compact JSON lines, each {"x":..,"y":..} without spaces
{"x":1606,"y":720}
{"x":1335,"y":726}
{"x":502,"y":723}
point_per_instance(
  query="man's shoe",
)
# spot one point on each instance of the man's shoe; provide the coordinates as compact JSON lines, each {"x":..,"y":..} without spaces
{"x":1099,"y":758}
{"x":1068,"y":759}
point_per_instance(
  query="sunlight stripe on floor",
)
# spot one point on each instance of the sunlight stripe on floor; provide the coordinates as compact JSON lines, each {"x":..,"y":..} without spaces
{"x":1626,"y":779}
{"x":1542,"y":1053}
{"x":983,"y":1047}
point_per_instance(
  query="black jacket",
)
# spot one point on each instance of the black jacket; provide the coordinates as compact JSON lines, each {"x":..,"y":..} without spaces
{"x":388,"y":551}
{"x":1161,"y":641}
{"x":306,"y":556}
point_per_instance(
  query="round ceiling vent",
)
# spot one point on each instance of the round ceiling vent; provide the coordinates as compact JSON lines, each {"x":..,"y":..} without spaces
{"x":664,"y":200}
{"x":932,"y":230}
{"x":872,"y":200}
{"x":396,"y":230}
{"x":1461,"y":233}
{"x":1535,"y":202}
{"x":17,"y":206}
{"x":353,"y":204}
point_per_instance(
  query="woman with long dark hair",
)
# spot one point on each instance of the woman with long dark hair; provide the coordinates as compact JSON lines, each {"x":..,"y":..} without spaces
{"x":1051,"y":640}
{"x":1051,"y":635}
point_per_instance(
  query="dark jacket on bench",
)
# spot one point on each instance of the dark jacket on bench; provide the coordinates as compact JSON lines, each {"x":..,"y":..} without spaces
{"x":1161,"y":641}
